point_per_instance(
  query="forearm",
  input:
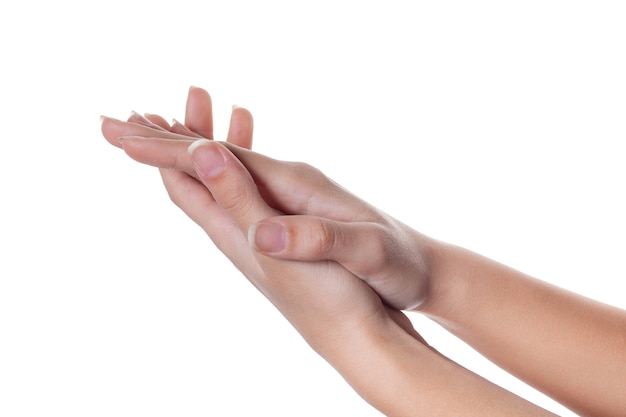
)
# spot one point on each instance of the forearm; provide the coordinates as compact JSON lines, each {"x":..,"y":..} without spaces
{"x":388,"y":364}
{"x":401,"y":376}
{"x":570,"y":347}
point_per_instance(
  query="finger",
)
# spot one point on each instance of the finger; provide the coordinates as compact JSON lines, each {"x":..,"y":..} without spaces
{"x":359,"y":246}
{"x":229,"y":182}
{"x":199,"y":112}
{"x":241,"y":127}
{"x":158,"y":120}
{"x":196,"y":201}
{"x":178,"y":127}
{"x":159,"y":152}
{"x":291,"y":188}
{"x":368,"y":250}
{"x":189,"y":195}
{"x":301,"y":292}
{"x":112,"y":129}
{"x":298,"y":188}
{"x":143,"y":120}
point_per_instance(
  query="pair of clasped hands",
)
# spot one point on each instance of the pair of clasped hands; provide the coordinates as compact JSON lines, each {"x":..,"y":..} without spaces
{"x":341,"y":272}
{"x":323,"y":257}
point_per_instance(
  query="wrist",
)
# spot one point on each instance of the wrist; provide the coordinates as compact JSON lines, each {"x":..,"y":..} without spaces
{"x":446,"y":285}
{"x":376,"y":363}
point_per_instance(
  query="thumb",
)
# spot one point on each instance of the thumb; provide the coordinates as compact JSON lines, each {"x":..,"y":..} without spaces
{"x":358,"y":246}
{"x":368,"y":250}
{"x":229,"y":182}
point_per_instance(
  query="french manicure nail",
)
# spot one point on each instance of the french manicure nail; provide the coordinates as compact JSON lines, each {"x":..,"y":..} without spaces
{"x":207,"y":158}
{"x":196,"y":144}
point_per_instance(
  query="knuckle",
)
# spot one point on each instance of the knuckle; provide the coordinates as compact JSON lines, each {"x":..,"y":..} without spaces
{"x":309,"y":172}
{"x":324,"y":240}
{"x":309,"y":181}
{"x":234,"y":199}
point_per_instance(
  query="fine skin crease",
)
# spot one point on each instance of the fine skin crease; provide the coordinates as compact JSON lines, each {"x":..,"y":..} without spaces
{"x":455,"y":287}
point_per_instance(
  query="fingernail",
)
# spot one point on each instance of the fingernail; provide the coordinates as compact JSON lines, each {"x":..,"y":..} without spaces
{"x":206,"y":158}
{"x":124,"y":138}
{"x":196,"y":144}
{"x":267,"y":237}
{"x":140,"y":117}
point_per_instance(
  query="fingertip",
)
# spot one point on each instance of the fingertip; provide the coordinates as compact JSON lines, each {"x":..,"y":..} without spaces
{"x":241,"y":127}
{"x":109,"y":131}
{"x":198,"y":112}
{"x":131,"y":144}
{"x":193,"y":90}
{"x":158,"y":120}
{"x":242,"y":110}
{"x":210,"y":162}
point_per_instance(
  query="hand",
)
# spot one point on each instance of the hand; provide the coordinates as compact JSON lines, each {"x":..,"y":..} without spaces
{"x":232,"y":192}
{"x":170,"y":151}
{"x":332,"y":224}
{"x":385,"y":253}
{"x":324,"y":223}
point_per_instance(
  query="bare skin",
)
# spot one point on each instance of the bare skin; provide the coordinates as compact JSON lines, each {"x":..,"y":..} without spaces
{"x":300,"y":238}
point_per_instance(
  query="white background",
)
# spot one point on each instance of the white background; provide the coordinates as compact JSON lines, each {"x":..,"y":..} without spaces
{"x":498,"y":126}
